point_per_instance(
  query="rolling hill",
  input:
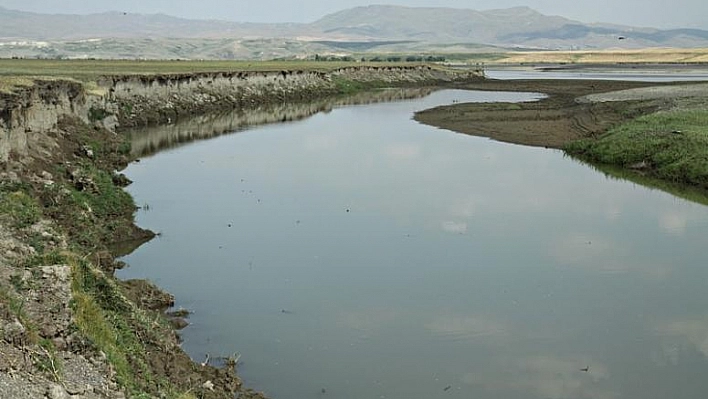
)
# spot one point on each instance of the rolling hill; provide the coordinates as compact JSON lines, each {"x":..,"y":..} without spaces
{"x":356,"y":30}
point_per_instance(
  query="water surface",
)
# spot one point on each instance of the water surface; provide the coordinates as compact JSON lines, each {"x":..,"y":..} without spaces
{"x":362,"y":253}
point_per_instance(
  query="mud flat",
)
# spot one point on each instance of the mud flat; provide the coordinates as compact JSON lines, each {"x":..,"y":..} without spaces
{"x":68,"y":328}
{"x":551,"y":122}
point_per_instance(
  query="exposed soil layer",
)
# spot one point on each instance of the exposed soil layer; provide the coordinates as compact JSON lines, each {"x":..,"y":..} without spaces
{"x":551,"y":122}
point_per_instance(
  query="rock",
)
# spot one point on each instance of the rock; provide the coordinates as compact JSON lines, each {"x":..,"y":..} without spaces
{"x":78,"y":389}
{"x":121,"y":180}
{"x":59,"y":343}
{"x":88,"y":151}
{"x":178,"y":323}
{"x":56,"y":391}
{"x":13,"y":332}
{"x":181,"y":312}
{"x":60,"y":274}
{"x":639,"y":165}
{"x":208,"y":385}
{"x":51,"y":310}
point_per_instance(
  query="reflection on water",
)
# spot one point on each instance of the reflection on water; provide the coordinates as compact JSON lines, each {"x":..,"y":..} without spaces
{"x":362,"y":253}
{"x":691,"y":193}
{"x":146,"y":141}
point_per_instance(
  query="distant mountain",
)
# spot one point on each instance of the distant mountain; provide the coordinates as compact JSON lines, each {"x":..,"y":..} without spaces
{"x":511,"y":27}
{"x":355,"y":30}
{"x":16,"y":25}
{"x":437,"y":24}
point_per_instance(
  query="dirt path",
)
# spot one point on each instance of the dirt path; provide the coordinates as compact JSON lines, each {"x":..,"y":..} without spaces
{"x":551,"y":122}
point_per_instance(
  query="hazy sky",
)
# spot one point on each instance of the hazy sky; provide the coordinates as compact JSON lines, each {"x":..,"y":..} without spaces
{"x":654,"y":13}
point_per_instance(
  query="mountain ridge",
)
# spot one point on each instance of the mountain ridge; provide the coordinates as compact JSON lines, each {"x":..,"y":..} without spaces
{"x":516,"y":27}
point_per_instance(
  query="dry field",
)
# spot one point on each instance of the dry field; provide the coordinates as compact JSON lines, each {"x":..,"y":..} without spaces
{"x":618,"y":56}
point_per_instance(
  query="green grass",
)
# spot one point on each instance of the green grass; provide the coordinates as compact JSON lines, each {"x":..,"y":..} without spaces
{"x":94,"y":323}
{"x":671,"y":145}
{"x":18,"y":73}
{"x":19,"y":206}
{"x":11,"y":82}
{"x":115,"y":326}
{"x":93,"y":210}
{"x":90,"y":70}
{"x":107,"y":319}
{"x":43,"y":258}
{"x":47,"y":361}
{"x":103,"y":198}
{"x":345,"y":86}
{"x":15,"y":305}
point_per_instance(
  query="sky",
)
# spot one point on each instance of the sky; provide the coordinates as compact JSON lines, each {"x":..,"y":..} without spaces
{"x":641,"y":13}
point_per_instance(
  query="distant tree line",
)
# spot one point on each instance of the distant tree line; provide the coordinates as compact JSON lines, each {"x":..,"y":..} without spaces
{"x":333,"y":58}
{"x":393,"y":58}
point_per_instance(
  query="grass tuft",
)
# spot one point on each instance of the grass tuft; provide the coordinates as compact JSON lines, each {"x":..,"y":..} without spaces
{"x":20,"y":207}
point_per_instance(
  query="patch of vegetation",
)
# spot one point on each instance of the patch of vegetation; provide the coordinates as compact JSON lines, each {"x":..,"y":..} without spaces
{"x":97,"y":114}
{"x":19,"y":206}
{"x":9,"y":84}
{"x":671,"y":145}
{"x":89,"y":71}
{"x":124,"y":148}
{"x":98,"y":193}
{"x":18,"y":283}
{"x":112,"y":323}
{"x":95,"y":324}
{"x":14,"y":305}
{"x":85,"y":199}
{"x":346,"y":86}
{"x":51,"y":257}
{"x":46,"y":360}
{"x":91,"y":208}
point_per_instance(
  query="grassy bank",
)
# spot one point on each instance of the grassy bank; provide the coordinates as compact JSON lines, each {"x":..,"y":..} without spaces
{"x":89,"y":70}
{"x":671,"y":145}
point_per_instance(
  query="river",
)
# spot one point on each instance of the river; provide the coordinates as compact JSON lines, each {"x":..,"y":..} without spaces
{"x":358,"y":254}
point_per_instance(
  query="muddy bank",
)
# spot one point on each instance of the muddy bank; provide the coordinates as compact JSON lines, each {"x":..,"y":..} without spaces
{"x":68,"y":328}
{"x":551,"y":122}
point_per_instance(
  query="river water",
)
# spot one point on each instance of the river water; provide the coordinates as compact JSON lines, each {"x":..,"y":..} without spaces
{"x":358,"y":254}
